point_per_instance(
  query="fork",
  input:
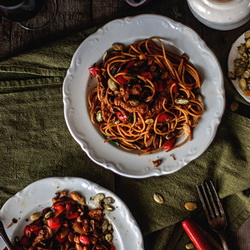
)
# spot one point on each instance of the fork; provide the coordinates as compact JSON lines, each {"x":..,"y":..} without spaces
{"x":5,"y":237}
{"x":213,"y":210}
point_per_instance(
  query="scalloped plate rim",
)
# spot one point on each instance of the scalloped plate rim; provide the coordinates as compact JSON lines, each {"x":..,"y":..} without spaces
{"x":149,"y":170}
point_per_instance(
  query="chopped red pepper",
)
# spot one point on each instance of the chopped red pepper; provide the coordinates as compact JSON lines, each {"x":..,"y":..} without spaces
{"x":84,"y":240}
{"x":195,"y":235}
{"x":24,"y":241}
{"x":148,"y":75}
{"x":94,"y":71}
{"x":121,"y":79}
{"x":168,"y":145}
{"x":158,"y":85}
{"x":121,"y":116}
{"x":175,"y":87}
{"x":27,"y":231}
{"x":54,"y":223}
{"x":124,"y":78}
{"x":130,"y":64}
{"x":60,"y":239}
{"x":165,"y":117}
{"x":112,"y":247}
{"x":34,"y":228}
{"x":59,"y":207}
{"x":72,"y":215}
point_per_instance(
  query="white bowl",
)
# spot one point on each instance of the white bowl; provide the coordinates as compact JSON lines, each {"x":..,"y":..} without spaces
{"x":221,"y":14}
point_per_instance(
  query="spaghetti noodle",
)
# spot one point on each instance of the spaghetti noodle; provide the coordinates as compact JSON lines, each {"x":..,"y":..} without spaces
{"x":146,"y":97}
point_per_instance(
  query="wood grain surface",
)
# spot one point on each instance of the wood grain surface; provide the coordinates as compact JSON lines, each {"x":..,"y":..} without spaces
{"x":76,"y":15}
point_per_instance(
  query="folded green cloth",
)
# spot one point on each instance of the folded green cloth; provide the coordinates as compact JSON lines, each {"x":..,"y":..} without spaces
{"x":35,"y":143}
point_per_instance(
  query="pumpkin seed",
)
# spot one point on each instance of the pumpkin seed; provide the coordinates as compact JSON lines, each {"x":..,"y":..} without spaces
{"x":190,"y":246}
{"x":108,"y":200}
{"x":243,"y":84}
{"x":105,"y":225}
{"x":108,"y":207}
{"x":149,"y":121}
{"x":181,"y":101}
{"x":117,"y":46}
{"x":99,"y":116}
{"x":158,"y":198}
{"x":112,"y":85}
{"x":108,"y":237}
{"x":134,"y":103}
{"x":190,"y":206}
{"x":34,"y":216}
{"x":98,"y":197}
{"x":48,"y":215}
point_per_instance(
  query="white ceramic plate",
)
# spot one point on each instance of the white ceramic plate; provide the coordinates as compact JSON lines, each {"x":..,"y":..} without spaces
{"x":77,"y":84}
{"x":38,"y":195}
{"x":233,"y":54}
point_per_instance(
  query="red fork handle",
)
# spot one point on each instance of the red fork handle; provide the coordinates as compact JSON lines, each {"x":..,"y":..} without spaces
{"x":195,"y":235}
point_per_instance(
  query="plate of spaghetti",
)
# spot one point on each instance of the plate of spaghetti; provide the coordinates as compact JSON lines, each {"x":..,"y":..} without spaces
{"x":143,"y":101}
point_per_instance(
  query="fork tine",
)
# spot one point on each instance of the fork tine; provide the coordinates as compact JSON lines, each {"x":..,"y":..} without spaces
{"x":221,"y":210}
{"x":212,"y":200}
{"x":203,"y":202}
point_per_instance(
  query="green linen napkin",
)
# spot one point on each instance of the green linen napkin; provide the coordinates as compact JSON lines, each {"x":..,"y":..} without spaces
{"x":35,"y":143}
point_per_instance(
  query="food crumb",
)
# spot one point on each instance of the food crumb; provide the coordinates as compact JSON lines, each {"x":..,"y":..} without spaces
{"x":156,"y":163}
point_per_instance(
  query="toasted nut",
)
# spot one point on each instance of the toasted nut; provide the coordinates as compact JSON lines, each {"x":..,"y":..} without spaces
{"x":158,"y":198}
{"x":190,"y":206}
{"x":34,"y":216}
{"x":234,"y":106}
{"x":200,"y":98}
{"x":75,"y":196}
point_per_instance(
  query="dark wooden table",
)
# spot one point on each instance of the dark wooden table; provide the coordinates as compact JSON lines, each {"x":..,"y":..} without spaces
{"x":74,"y":15}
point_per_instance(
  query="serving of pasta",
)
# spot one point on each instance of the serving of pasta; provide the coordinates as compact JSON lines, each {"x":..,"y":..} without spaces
{"x":146,"y":97}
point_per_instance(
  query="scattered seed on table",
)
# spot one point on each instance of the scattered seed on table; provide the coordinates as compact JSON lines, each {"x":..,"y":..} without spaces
{"x":190,"y":206}
{"x":158,"y":198}
{"x":190,"y":246}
